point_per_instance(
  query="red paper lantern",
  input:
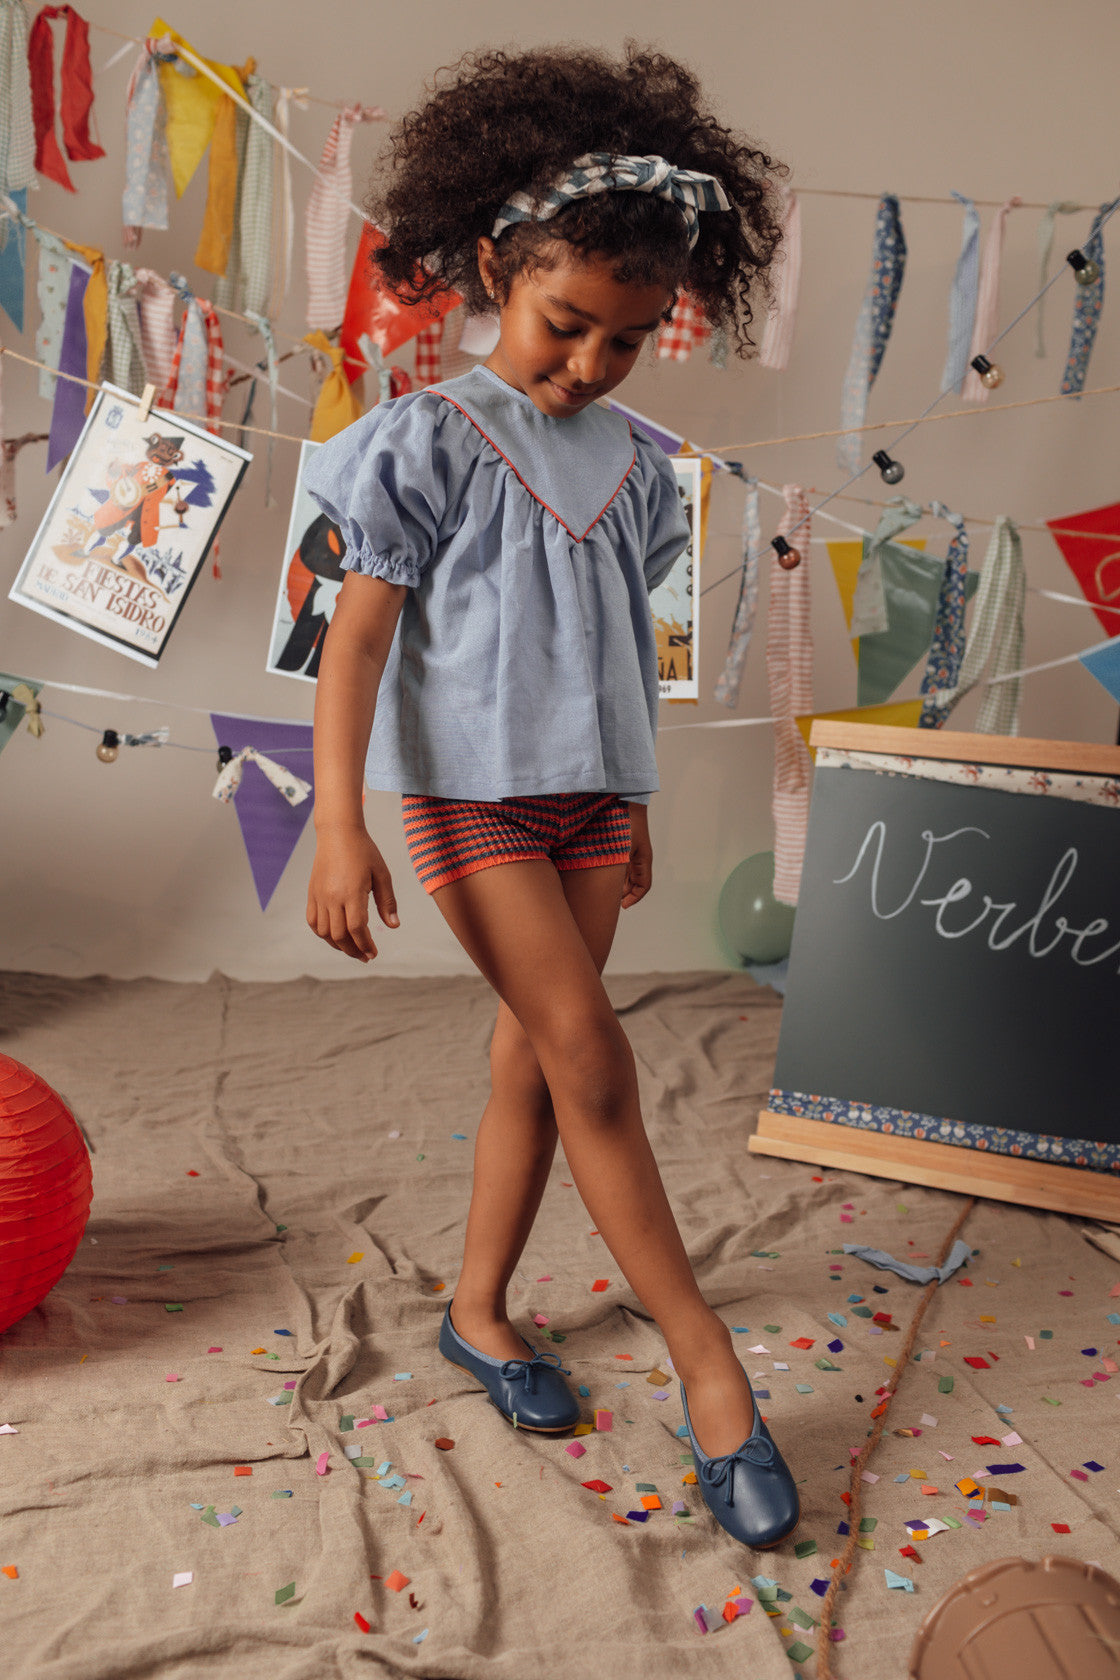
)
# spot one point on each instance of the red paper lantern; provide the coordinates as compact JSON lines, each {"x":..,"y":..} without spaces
{"x":46,"y":1187}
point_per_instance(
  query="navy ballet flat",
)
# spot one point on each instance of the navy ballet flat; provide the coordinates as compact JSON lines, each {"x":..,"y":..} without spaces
{"x":530,"y":1392}
{"x":750,"y":1492}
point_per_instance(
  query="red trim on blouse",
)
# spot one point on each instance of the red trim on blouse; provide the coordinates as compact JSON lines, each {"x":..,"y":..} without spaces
{"x":529,"y":487}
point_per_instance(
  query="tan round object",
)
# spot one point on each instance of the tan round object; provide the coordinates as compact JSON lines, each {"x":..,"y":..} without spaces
{"x":1013,"y":1620}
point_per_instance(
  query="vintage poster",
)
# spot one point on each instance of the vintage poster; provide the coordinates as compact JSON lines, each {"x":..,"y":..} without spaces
{"x":310,"y":578}
{"x":136,"y":510}
{"x":673,"y":601}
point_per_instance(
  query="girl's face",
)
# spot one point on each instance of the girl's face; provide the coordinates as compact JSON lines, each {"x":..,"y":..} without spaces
{"x":571,"y":333}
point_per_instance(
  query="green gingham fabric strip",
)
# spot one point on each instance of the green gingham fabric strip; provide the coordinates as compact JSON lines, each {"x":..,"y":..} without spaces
{"x":255,"y":207}
{"x":600,"y":172}
{"x":17,"y":136}
{"x":126,"y":359}
{"x":995,"y":640}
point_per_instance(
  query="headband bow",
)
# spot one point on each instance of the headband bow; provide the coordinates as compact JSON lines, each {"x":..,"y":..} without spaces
{"x":600,"y":172}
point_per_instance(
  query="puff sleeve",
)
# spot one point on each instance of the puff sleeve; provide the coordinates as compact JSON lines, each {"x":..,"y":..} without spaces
{"x":384,"y":482}
{"x":668,"y":529}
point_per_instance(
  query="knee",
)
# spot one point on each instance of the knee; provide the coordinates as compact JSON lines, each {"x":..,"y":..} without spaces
{"x":593,"y":1073}
{"x":514,"y":1068}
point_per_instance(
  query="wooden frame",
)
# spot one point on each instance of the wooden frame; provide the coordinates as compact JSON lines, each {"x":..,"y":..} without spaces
{"x":975,"y":1172}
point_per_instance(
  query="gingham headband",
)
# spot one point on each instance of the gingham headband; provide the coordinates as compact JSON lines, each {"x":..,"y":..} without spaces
{"x":600,"y":172}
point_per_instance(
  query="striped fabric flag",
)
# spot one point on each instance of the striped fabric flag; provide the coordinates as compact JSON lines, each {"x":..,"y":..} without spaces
{"x":777,"y":340}
{"x":327,"y":210}
{"x":987,"y":301}
{"x":789,"y":668}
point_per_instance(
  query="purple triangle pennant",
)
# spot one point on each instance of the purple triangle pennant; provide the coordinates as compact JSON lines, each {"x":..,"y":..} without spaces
{"x":68,"y":415}
{"x":270,"y":827}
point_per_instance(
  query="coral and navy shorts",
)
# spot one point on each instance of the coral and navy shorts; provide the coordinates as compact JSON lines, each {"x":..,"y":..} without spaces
{"x":450,"y":838}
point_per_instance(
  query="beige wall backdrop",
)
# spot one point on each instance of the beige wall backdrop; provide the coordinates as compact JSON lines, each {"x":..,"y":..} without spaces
{"x":132,"y":868}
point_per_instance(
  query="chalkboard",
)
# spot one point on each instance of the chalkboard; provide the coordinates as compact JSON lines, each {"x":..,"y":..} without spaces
{"x":954,"y":978}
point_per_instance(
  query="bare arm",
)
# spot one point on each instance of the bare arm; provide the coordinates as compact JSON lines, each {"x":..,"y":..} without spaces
{"x":639,"y":872}
{"x":348,"y":866}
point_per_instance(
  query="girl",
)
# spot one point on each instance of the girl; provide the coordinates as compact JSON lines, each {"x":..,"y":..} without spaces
{"x":502,"y":533}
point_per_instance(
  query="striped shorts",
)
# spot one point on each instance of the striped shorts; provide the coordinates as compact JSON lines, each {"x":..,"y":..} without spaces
{"x":450,"y":838}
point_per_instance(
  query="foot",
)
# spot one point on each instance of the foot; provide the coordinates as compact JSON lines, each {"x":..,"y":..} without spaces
{"x":491,"y":1335}
{"x":720,"y":1403}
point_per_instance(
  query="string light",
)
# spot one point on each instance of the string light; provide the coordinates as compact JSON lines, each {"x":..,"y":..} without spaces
{"x":891,"y":472}
{"x":788,"y":558}
{"x":108,"y":748}
{"x":1085,"y":270}
{"x":990,"y":374}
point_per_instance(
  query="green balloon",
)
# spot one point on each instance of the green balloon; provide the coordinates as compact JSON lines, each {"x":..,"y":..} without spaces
{"x":754,"y":925}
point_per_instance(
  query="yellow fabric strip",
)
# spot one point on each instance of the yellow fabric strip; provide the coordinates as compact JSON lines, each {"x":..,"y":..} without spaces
{"x":221,"y":199}
{"x":337,"y":405}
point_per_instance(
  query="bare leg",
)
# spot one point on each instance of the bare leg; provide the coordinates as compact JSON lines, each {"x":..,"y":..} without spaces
{"x":516,"y":923}
{"x":516,"y":1143}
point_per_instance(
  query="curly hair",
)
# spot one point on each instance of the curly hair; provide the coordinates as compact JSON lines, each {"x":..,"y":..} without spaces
{"x":496,"y":123}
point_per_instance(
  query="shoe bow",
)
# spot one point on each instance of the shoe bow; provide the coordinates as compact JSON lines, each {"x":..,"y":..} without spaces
{"x":513,"y":1369}
{"x":718,"y":1472}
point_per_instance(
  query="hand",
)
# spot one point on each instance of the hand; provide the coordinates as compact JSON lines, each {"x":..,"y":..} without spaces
{"x":347,"y":868}
{"x":639,"y":869}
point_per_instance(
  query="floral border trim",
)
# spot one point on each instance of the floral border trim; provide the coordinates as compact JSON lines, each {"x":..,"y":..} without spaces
{"x":995,"y":1140}
{"x":1005,"y":778}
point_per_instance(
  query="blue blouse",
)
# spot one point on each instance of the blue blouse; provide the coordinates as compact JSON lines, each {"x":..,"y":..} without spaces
{"x":524,"y":661}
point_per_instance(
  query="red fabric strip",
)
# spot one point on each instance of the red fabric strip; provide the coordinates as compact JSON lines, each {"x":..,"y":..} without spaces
{"x":76,"y":94}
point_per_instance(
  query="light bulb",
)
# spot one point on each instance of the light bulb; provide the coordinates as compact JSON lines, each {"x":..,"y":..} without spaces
{"x":1085,"y":270}
{"x":891,"y":472}
{"x":109,"y":746}
{"x":991,"y":375}
{"x":788,"y":558}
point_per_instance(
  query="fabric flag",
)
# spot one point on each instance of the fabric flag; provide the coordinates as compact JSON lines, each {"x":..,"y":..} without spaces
{"x":373,"y":310}
{"x":912,"y":585}
{"x":227,"y":286}
{"x":144,"y":200}
{"x":1059,"y":207}
{"x":742,"y":628}
{"x":327,"y":211}
{"x":69,"y":412}
{"x":198,"y":372}
{"x":869,"y":604}
{"x":159,"y":305}
{"x":686,"y":330}
{"x":13,"y":242}
{"x":962,"y":297}
{"x":1090,"y":545}
{"x":996,"y":638}
{"x":777,"y":340}
{"x":191,"y":102}
{"x":428,"y":344}
{"x":17,"y":130}
{"x":16,"y":709}
{"x":53,"y":287}
{"x":222,"y":181}
{"x":283,"y":220}
{"x":987,"y":302}
{"x":76,"y":95}
{"x":337,"y":404}
{"x":1087,"y":304}
{"x":789,"y":669}
{"x":873,"y":326}
{"x":254,"y":209}
{"x":126,"y":357}
{"x":946,"y":650}
{"x":1103,"y":662}
{"x":896,"y":714}
{"x":270,"y":826}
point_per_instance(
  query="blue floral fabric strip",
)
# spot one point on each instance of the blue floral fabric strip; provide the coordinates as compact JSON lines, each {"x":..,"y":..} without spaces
{"x":901,"y":1122}
{"x":1087,"y":308}
{"x":947,"y":647}
{"x":873,"y":326}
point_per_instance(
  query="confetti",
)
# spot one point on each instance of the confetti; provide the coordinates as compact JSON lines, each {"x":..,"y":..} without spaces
{"x":321,"y":1463}
{"x":575,"y":1449}
{"x":361,"y":1621}
{"x":183,"y":1580}
{"x":902,"y":1581}
{"x":283,"y":1594}
{"x":600,"y":1284}
{"x":444,"y":1443}
{"x":396,"y":1582}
